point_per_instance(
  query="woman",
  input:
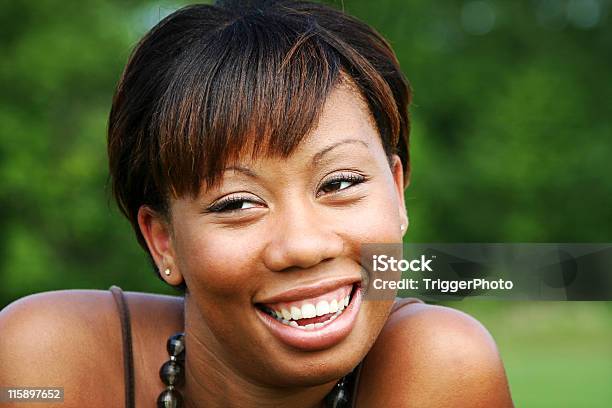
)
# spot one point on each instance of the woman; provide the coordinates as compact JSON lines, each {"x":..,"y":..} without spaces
{"x":255,"y":147}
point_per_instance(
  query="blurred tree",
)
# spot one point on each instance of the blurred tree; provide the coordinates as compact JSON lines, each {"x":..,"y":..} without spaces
{"x":510,"y":142}
{"x":61,"y":61}
{"x":511,"y":118}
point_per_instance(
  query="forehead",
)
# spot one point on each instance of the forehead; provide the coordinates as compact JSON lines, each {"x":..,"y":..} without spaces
{"x":345,"y":120}
{"x":345,"y":113}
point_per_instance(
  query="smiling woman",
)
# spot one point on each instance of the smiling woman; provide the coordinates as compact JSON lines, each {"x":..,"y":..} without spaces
{"x":255,"y":147}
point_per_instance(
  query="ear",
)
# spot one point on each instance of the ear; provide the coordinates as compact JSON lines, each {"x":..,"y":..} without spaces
{"x":157,"y":232}
{"x":397,"y":171}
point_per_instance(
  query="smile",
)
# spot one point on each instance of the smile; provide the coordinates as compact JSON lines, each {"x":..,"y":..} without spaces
{"x":314,"y":322}
{"x":313,"y":313}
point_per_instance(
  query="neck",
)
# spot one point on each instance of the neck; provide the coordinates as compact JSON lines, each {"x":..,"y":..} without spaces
{"x":212,"y":382}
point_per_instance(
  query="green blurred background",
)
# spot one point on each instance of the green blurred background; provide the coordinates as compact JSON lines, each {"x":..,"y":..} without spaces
{"x":511,"y":142}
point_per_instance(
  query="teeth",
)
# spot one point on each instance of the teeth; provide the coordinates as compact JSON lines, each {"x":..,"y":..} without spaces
{"x":308,"y":311}
{"x":333,"y":306}
{"x":296,"y":313}
{"x":286,"y":314}
{"x":311,"y":326}
{"x":322,"y":308}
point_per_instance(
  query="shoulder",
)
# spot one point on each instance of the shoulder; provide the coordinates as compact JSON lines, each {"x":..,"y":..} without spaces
{"x":433,"y":356}
{"x":71,"y":339}
{"x":57,"y":339}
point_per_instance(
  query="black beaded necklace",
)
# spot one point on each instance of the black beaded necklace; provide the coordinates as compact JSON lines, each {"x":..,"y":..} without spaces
{"x":172,"y":374}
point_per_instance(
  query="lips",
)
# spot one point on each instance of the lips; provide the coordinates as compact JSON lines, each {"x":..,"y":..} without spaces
{"x":315,"y":322}
{"x":312,"y":312}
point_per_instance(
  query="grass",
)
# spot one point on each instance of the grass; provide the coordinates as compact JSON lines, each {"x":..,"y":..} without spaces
{"x":556,"y":354}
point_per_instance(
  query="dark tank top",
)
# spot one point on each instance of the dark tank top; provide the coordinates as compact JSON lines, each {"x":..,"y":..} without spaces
{"x":128,"y":357}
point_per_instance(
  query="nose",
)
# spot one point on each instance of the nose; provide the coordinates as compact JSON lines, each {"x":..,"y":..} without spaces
{"x":301,"y":237}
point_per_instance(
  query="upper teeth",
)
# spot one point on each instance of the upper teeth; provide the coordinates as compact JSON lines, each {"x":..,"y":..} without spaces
{"x":308,"y":310}
{"x":296,"y":313}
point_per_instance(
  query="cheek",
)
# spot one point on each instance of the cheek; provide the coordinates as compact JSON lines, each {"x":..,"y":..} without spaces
{"x":379,"y":223}
{"x":220,"y":263}
{"x":376,"y":219}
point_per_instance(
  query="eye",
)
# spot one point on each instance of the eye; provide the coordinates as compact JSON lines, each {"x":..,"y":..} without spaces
{"x":233,"y":203}
{"x":341,"y":182}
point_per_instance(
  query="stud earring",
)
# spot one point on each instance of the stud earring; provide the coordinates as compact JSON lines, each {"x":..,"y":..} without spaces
{"x":167,"y":272}
{"x":403,"y":227}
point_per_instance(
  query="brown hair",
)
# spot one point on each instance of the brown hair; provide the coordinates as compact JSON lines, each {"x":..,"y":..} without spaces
{"x":211,"y":82}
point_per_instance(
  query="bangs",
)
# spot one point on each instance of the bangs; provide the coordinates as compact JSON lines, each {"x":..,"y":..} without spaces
{"x":257,"y":86}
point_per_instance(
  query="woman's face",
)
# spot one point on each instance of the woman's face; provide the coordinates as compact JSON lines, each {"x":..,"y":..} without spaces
{"x":283,"y":236}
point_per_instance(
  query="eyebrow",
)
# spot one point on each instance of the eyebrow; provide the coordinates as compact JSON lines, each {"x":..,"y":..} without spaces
{"x":315,"y":159}
{"x":244,"y":170}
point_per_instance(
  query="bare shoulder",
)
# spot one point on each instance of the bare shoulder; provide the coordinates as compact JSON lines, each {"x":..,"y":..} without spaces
{"x":433,"y":356}
{"x":72,"y":339}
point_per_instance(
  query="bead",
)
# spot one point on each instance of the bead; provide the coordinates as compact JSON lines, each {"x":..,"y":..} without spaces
{"x":170,"y":398}
{"x":176,"y":345}
{"x":337,"y":398}
{"x":171,"y":373}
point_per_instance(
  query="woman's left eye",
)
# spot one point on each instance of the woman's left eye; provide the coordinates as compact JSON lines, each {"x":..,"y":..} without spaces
{"x":341,"y":182}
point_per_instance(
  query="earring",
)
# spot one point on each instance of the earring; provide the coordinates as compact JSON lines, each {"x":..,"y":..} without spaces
{"x":167,"y":272}
{"x":402,"y":227}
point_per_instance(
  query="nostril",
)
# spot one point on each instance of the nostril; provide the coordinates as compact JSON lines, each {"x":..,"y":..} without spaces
{"x":291,"y":249}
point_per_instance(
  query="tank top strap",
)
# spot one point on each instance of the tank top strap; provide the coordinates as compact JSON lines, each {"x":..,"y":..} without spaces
{"x":355,"y":386}
{"x":126,"y":338}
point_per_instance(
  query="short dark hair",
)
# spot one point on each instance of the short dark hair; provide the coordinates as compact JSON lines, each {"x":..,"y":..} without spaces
{"x":211,"y":82}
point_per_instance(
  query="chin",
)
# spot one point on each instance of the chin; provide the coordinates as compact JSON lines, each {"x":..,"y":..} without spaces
{"x":298,"y":367}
